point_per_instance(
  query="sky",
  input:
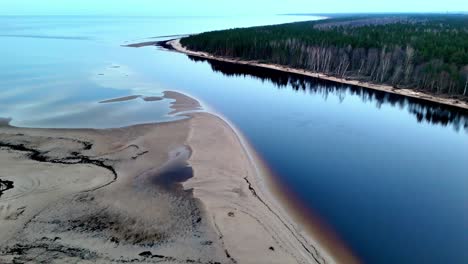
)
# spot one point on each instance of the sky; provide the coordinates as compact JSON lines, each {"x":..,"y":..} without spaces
{"x":221,"y":7}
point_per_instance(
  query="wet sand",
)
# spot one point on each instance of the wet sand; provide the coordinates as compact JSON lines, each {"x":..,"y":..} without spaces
{"x":152,"y":98}
{"x":177,"y":46}
{"x":132,"y":97}
{"x":186,"y":191}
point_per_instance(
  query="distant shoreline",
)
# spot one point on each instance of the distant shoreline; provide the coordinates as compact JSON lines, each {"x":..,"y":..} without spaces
{"x":175,"y":45}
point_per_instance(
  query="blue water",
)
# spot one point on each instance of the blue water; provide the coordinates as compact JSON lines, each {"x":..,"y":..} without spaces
{"x":388,"y":174}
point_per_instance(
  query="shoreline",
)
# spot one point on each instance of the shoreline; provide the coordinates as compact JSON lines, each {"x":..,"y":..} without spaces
{"x":175,"y":45}
{"x":308,"y":227}
{"x":175,"y":191}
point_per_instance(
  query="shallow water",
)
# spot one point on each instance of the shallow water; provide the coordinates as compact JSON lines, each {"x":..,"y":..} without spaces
{"x":387,"y":173}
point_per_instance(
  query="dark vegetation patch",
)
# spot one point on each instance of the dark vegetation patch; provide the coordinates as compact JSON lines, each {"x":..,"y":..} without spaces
{"x":5,"y":185}
{"x":45,"y":251}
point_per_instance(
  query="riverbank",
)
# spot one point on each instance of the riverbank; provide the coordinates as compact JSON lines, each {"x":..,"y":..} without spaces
{"x":176,"y":45}
{"x":186,"y":191}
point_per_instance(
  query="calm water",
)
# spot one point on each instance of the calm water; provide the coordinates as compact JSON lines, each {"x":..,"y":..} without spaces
{"x":388,"y":174}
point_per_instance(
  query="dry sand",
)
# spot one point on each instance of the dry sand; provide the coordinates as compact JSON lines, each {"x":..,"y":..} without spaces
{"x":176,"y":45}
{"x":178,"y":192}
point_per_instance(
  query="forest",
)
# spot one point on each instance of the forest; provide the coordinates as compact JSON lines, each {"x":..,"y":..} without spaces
{"x":424,"y":52}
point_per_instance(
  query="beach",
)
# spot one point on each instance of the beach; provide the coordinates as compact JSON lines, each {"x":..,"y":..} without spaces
{"x":187,"y":191}
{"x":177,"y":46}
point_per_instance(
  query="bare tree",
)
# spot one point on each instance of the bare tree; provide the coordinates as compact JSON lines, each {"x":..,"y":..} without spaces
{"x":464,"y":73}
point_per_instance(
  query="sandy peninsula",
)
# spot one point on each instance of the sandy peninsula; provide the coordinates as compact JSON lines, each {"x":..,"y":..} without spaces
{"x":177,"y":46}
{"x":186,"y":191}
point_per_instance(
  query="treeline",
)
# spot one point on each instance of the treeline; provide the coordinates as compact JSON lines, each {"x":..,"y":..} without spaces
{"x":425,"y":52}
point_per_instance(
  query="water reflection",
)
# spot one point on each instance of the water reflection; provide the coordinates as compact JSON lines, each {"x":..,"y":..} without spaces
{"x":424,"y":111}
{"x":45,"y":37}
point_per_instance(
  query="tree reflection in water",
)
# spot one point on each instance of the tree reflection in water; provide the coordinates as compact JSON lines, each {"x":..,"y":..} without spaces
{"x":424,"y":111}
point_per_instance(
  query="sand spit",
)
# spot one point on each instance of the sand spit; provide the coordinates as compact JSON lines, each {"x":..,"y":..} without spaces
{"x":177,"y":46}
{"x":176,"y":192}
{"x":142,"y":44}
{"x":132,"y":97}
{"x":121,"y":99}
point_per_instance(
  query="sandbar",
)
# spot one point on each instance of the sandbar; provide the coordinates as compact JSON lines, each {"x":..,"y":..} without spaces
{"x":185,"y":191}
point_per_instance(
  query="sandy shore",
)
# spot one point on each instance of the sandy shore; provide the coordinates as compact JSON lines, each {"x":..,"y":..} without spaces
{"x":186,"y":191}
{"x":176,"y":45}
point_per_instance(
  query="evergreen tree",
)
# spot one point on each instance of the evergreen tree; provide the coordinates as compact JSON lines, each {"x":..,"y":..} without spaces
{"x":426,"y":52}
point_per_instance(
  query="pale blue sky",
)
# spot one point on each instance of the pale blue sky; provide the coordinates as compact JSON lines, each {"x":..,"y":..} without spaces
{"x":221,"y":7}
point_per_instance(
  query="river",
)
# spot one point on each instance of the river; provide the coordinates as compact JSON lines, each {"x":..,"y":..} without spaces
{"x":387,"y":174}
